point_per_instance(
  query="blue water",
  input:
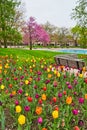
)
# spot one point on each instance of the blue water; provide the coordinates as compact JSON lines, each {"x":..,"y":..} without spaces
{"x":76,"y":51}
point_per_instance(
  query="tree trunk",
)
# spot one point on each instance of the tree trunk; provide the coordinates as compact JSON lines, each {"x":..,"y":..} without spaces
{"x":5,"y":43}
{"x":30,"y":45}
{"x":76,"y":43}
{"x":55,"y":44}
{"x":4,"y":36}
{"x":30,"y":38}
{"x":0,"y":45}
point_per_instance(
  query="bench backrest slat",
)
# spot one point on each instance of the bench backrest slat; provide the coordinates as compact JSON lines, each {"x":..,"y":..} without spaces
{"x":70,"y":61}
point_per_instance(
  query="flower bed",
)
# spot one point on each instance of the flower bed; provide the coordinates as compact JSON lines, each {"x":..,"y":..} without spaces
{"x":37,"y":96}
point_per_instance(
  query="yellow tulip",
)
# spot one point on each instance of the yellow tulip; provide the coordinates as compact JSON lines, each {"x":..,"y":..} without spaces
{"x":55,"y":114}
{"x":18,"y":109}
{"x":21,"y":119}
{"x":2,"y":86}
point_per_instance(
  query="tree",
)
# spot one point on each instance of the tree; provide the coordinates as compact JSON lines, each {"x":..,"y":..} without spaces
{"x":7,"y":21}
{"x":49,"y":28}
{"x":62,"y":35}
{"x":76,"y":32}
{"x":34,"y":32}
{"x":80,"y":15}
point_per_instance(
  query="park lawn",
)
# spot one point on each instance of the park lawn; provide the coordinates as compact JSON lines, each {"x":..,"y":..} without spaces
{"x":27,"y":53}
{"x":24,"y":54}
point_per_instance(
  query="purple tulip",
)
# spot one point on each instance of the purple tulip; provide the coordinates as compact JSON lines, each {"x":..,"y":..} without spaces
{"x":59,"y":95}
{"x":65,"y":76}
{"x":80,"y":122}
{"x":36,"y":96}
{"x":75,"y":82}
{"x":70,"y":86}
{"x":35,"y":86}
{"x":38,"y":79}
{"x":39,"y":73}
{"x":81,"y":100}
{"x":40,"y":120}
{"x":27,"y":108}
{"x":0,"y":82}
{"x":0,"y":103}
{"x":73,"y":104}
{"x":16,"y":102}
{"x":75,"y":93}
{"x":14,"y":69}
{"x":7,"y":79}
{"x":11,"y":95}
{"x":75,"y":112}
{"x":21,"y":77}
{"x":67,"y":83}
{"x":20,"y":91}
{"x":47,"y":81}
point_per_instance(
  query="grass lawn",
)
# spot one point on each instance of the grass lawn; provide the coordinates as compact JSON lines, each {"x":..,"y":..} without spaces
{"x":24,"y":54}
{"x":27,"y":53}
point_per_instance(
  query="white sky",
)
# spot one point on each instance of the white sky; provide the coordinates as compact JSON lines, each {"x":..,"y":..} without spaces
{"x":57,"y":12}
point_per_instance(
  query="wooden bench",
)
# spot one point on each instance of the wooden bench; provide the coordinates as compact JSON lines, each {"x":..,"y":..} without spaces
{"x":70,"y":60}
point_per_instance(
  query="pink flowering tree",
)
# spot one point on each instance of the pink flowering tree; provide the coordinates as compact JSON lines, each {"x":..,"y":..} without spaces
{"x":34,"y":32}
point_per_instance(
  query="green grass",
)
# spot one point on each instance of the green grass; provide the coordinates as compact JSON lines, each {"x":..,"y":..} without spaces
{"x":24,"y":54}
{"x":21,"y":53}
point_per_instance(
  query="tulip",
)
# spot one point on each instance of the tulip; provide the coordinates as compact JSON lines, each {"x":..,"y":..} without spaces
{"x":80,"y":122}
{"x":54,"y":99}
{"x":81,"y":100}
{"x":20,"y":91}
{"x":40,"y":120}
{"x":16,"y":102}
{"x":27,"y":108}
{"x":76,"y":128}
{"x":75,"y":112}
{"x":70,"y":86}
{"x":59,"y":95}
{"x":21,"y":119}
{"x":67,"y":83}
{"x":36,"y":96}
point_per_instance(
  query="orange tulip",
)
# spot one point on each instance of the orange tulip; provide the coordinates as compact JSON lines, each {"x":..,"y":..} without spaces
{"x":69,"y":100}
{"x":44,"y":128}
{"x":10,"y":85}
{"x":0,"y":66}
{"x":49,"y":75}
{"x":43,"y":97}
{"x":13,"y":92}
{"x":0,"y":71}
{"x":38,"y":110}
{"x":86,"y":96}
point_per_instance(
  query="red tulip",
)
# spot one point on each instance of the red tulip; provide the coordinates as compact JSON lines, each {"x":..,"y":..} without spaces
{"x":29,"y":99}
{"x":54,"y":99}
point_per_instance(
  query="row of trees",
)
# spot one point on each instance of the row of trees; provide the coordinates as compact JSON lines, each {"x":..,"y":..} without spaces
{"x":13,"y":29}
{"x":59,"y":36}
